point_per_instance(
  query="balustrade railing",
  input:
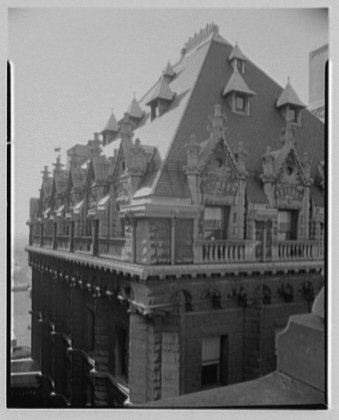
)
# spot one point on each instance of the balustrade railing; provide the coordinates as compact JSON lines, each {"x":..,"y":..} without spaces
{"x":63,"y":242}
{"x":224,"y":251}
{"x":48,"y":241}
{"x":205,"y":251}
{"x":83,"y":243}
{"x":112,"y":247}
{"x":298,"y":250}
{"x":36,"y":240}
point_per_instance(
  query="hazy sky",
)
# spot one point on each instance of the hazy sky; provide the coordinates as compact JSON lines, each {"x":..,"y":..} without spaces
{"x":73,"y":65}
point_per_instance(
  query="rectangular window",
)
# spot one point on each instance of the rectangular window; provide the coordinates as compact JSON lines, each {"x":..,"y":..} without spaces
{"x":293,"y":114}
{"x":240,"y":103}
{"x":214,"y":361}
{"x":287,"y":225}
{"x":121,"y":351}
{"x":216,"y":222}
{"x":210,"y":361}
{"x":241,"y":66}
{"x":90,"y":331}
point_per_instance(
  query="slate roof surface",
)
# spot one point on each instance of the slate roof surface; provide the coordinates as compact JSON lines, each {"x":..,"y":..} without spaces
{"x":317,"y":195}
{"x":254,"y":191}
{"x":200,"y":78}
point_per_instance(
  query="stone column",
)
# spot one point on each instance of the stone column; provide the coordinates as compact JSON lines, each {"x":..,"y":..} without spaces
{"x":138,"y":354}
{"x":173,"y":240}
{"x":101,"y":349}
{"x":71,"y":236}
{"x":77,"y":337}
{"x":95,"y":237}
{"x":41,"y":233}
{"x":55,"y":243}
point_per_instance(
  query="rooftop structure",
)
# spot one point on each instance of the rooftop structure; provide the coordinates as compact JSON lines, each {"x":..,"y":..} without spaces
{"x":181,"y":243}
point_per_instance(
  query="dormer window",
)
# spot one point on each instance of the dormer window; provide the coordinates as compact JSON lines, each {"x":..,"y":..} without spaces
{"x":237,"y":59}
{"x":294,"y":114}
{"x":290,"y":105}
{"x":240,"y":102}
{"x":240,"y":65}
{"x":161,"y":99}
{"x":238,"y":94}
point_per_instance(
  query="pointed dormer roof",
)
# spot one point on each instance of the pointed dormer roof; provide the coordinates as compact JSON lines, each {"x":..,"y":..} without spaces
{"x":169,"y":72}
{"x":134,"y":110}
{"x":161,"y":91}
{"x":237,"y":84}
{"x":236,"y":53}
{"x":289,"y":97}
{"x":111,"y":125}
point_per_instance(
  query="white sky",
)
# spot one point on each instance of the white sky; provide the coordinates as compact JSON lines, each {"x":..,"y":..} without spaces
{"x":73,"y":65}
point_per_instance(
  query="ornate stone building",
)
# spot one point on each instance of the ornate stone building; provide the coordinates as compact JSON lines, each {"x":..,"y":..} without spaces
{"x":176,"y":244}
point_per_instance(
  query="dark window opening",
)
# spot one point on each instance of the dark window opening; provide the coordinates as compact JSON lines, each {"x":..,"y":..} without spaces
{"x":216,"y":220}
{"x":293,"y":114}
{"x":214,"y":361}
{"x":122,"y":352}
{"x":240,"y":103}
{"x":287,"y":225}
{"x":90,"y":330}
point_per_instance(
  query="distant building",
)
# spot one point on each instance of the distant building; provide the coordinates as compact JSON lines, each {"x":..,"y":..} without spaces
{"x":169,"y":265}
{"x":318,"y":59}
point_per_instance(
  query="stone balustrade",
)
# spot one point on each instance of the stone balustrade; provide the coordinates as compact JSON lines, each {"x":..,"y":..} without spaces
{"x":112,"y":247}
{"x":205,"y":251}
{"x":224,"y":251}
{"x":83,"y":244}
{"x":298,"y":250}
{"x":63,"y":242}
{"x":48,"y":241}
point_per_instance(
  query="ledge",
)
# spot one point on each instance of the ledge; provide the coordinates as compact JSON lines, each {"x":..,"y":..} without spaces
{"x":144,"y":272}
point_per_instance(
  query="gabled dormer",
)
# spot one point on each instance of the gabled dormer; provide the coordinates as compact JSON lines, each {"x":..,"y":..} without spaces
{"x":135,"y":112}
{"x":161,"y":98}
{"x":238,"y":94}
{"x":289,"y":104}
{"x":237,"y":59}
{"x":168,"y":73}
{"x":110,"y":130}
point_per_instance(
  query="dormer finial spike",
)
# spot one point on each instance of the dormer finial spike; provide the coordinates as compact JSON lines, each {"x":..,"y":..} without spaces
{"x":288,"y":80}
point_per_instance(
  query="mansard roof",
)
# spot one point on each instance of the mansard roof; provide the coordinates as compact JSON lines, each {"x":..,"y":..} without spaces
{"x":236,"y":83}
{"x":289,"y":97}
{"x":201,"y":74}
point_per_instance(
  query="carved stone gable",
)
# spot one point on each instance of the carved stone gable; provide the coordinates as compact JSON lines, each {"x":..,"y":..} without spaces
{"x":289,"y":186}
{"x":219,"y":177}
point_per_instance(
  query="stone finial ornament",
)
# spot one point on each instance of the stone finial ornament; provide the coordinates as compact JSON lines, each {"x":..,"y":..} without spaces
{"x":217,"y":126}
{"x":240,"y":156}
{"x":192,"y":152}
{"x":288,"y":133}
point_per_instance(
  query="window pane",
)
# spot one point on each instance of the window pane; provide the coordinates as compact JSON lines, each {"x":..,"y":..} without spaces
{"x":210,"y":349}
{"x":240,"y":103}
{"x":209,"y":374}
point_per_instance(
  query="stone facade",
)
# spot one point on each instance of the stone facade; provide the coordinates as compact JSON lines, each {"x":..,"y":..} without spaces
{"x":139,"y":295}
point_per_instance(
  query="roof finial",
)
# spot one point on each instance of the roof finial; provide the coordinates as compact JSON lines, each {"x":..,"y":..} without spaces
{"x":288,"y":80}
{"x":134,"y":94}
